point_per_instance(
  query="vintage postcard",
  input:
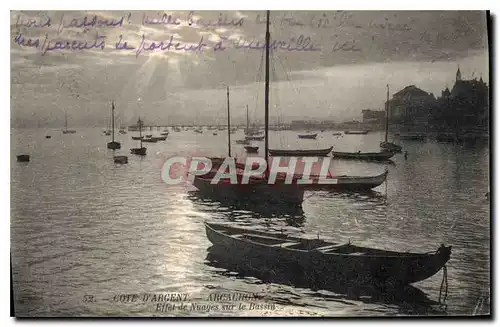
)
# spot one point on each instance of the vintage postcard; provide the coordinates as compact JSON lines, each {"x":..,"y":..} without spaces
{"x":250,"y":163}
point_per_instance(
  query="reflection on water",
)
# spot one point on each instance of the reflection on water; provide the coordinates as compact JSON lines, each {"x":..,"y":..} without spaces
{"x":408,"y":300}
{"x":81,"y":224}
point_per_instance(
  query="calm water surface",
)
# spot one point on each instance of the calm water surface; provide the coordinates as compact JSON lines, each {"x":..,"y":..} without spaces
{"x":82,"y":225}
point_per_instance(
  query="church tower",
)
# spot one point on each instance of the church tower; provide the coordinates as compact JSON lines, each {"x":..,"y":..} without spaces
{"x":459,"y":75}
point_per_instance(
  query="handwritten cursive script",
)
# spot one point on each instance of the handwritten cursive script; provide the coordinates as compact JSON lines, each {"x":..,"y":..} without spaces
{"x":91,"y":22}
{"x":170,"y":45}
{"x":222,"y":21}
{"x":300,"y":43}
{"x":345,"y":46}
{"x":47,"y":45}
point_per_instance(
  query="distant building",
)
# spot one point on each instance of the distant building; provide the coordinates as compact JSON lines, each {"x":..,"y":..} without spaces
{"x":464,"y":109}
{"x":410,"y":108}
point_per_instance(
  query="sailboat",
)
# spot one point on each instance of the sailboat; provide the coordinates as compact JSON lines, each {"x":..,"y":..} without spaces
{"x":386,"y":145}
{"x":258,"y":190}
{"x":251,"y":148}
{"x":122,"y":130}
{"x":66,"y":130}
{"x":140,"y":150}
{"x":113,"y":145}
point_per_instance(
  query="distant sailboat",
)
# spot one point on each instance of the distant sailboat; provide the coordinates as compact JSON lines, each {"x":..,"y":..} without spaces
{"x":66,"y":130}
{"x":141,"y":151}
{"x":386,"y":145}
{"x":113,"y":145}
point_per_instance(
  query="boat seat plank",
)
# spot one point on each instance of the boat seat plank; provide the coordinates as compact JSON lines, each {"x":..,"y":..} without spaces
{"x":329,"y":247}
{"x":237,"y":235}
{"x":284,"y":245}
{"x":264,"y":237}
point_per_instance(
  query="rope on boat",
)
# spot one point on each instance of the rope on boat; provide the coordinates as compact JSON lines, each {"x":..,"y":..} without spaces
{"x":444,"y":283}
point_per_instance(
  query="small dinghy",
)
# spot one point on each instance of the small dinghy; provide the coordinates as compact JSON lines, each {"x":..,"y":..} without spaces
{"x":23,"y":158}
{"x":388,"y":146}
{"x":149,"y":140}
{"x":326,"y":259}
{"x":120,"y":159}
{"x":356,"y":132}
{"x":48,"y":136}
{"x":375,"y":156}
{"x":254,"y":138}
{"x":308,"y":136}
{"x":251,"y":149}
{"x":300,"y":153}
{"x":137,"y":138}
{"x":242,"y":142}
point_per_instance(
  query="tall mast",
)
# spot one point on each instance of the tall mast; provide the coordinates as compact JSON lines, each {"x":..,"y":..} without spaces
{"x":247,"y":119}
{"x":140,"y":130}
{"x":228,"y":125}
{"x":113,"y":120}
{"x":387,"y":114}
{"x":266,"y":93}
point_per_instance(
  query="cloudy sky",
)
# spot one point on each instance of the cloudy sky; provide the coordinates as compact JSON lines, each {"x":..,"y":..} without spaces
{"x":358,"y":53}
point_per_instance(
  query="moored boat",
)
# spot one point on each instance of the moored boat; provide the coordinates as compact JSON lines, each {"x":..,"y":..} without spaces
{"x":254,"y":138}
{"x":149,"y":140}
{"x":347,"y":183}
{"x":120,"y":159}
{"x":137,"y":138}
{"x":113,"y":145}
{"x":377,"y":156}
{"x":242,"y":142}
{"x":251,"y":149}
{"x":356,"y":132}
{"x":308,"y":136}
{"x":327,"y":259}
{"x":23,"y":158}
{"x":141,"y":151}
{"x":388,"y":146}
{"x":300,"y":153}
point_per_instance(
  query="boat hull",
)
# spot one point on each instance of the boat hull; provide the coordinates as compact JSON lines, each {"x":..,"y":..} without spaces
{"x":114,"y":145}
{"x":259,"y":192}
{"x":254,"y":138}
{"x":388,"y":146}
{"x":356,"y":132}
{"x":23,"y":158}
{"x":120,"y":159}
{"x":300,"y":153}
{"x":139,"y":151}
{"x":349,"y":183}
{"x":308,"y":136}
{"x":371,"y":156}
{"x":251,"y":149}
{"x":137,"y":138}
{"x":375,"y":267}
{"x":149,"y":140}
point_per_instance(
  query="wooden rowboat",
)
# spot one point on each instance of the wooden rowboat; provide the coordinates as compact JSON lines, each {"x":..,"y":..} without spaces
{"x":256,"y":191}
{"x":356,"y":132}
{"x":388,"y":146}
{"x":347,"y":183}
{"x":254,"y":138}
{"x":378,"y":156}
{"x":300,"y":153}
{"x":308,"y":136}
{"x":328,"y":260}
